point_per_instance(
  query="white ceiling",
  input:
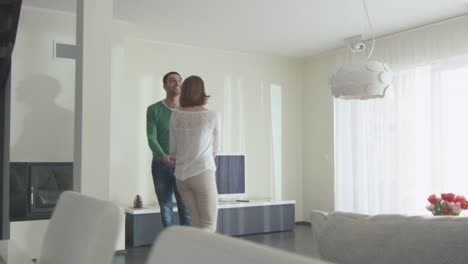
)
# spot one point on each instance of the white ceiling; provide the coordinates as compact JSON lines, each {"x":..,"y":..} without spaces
{"x":279,"y":27}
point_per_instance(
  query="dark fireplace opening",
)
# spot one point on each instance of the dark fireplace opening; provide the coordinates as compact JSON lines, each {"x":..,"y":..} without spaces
{"x":35,"y":188}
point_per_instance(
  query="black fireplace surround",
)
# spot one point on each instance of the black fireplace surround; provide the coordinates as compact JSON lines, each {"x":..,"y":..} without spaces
{"x":35,"y":188}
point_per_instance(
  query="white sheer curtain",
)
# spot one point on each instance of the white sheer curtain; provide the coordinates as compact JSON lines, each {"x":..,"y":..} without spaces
{"x":390,"y":154}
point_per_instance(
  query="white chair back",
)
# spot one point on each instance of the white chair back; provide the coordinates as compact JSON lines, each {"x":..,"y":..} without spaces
{"x":82,"y":230}
{"x":181,"y":245}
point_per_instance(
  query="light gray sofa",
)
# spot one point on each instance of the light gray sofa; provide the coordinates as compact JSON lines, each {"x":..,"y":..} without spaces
{"x":348,"y":238}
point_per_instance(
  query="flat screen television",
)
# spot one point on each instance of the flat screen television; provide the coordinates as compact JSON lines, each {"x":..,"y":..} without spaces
{"x":230,"y":173}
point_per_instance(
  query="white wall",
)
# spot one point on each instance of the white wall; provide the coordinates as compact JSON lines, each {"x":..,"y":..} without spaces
{"x":43,"y":89}
{"x":42,"y":104}
{"x":318,"y":152}
{"x":239,"y":85}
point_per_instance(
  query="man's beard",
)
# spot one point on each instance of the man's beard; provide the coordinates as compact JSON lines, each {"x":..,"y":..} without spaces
{"x":173,"y":92}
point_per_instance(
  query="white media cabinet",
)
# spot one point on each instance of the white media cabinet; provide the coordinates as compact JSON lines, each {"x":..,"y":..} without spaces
{"x":142,"y":226}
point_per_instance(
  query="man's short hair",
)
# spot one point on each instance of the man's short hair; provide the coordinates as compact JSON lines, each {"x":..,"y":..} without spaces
{"x":167,"y":76}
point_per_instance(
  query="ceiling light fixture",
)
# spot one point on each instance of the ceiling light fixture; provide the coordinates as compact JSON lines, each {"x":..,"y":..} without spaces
{"x":362,"y":79}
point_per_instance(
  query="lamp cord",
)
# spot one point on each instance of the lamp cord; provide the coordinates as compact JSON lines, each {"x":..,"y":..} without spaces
{"x":371,"y":28}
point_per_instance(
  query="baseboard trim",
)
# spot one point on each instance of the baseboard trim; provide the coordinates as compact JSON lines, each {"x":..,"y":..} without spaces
{"x":120,"y":252}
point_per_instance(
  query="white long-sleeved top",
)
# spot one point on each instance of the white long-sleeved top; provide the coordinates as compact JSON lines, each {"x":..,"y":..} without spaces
{"x":194,"y":137}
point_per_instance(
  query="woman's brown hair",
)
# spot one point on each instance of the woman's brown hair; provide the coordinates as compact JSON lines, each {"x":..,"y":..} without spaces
{"x":193,"y":92}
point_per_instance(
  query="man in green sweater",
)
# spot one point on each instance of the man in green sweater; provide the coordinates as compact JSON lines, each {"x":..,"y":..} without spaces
{"x":158,"y":116}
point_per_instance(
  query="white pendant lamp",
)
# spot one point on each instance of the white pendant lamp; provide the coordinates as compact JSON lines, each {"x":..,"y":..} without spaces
{"x":364,"y":79}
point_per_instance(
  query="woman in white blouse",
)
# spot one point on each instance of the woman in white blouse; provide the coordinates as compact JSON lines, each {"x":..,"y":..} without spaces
{"x":194,"y":141}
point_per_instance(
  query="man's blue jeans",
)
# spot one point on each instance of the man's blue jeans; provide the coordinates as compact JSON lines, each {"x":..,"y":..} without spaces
{"x":165,"y":185}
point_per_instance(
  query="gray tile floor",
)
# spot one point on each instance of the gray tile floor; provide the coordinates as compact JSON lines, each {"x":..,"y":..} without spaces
{"x":297,"y":241}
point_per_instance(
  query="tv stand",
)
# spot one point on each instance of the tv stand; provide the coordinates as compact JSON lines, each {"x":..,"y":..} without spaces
{"x":142,"y":226}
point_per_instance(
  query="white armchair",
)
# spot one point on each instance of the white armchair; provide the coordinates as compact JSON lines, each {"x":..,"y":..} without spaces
{"x":181,"y":245}
{"x":82,"y":230}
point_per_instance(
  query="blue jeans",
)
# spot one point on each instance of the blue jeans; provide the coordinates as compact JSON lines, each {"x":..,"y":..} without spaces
{"x":165,"y":185}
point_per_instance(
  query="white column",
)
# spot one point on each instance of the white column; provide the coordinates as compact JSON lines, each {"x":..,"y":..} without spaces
{"x":92,"y":103}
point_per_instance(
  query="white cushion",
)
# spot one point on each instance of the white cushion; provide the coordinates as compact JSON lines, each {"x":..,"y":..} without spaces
{"x":348,"y":238}
{"x":182,"y":245}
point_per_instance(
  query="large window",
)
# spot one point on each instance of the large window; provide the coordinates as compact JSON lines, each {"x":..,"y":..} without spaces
{"x":391,"y":153}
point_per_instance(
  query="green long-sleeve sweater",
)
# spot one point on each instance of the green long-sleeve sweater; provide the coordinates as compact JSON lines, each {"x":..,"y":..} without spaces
{"x":158,"y":116}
